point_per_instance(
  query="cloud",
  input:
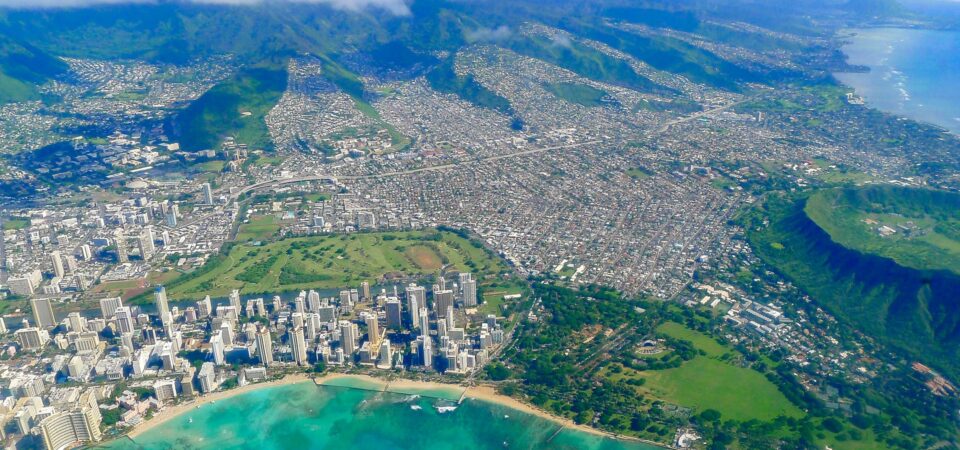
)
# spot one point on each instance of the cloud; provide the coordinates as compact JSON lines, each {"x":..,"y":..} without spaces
{"x":485,"y":34}
{"x":395,"y":7}
{"x":561,"y":40}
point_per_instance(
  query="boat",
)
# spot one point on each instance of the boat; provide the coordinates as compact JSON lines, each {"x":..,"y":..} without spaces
{"x":416,"y":407}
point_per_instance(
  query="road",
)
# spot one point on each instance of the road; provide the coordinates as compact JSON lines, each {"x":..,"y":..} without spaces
{"x":283,"y":181}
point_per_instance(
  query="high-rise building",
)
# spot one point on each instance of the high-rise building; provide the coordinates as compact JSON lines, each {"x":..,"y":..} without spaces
{"x":109,"y":305}
{"x":204,"y":307}
{"x":365,"y":291}
{"x":207,"y":194}
{"x":424,"y":321}
{"x":79,"y":425}
{"x":469,"y":293}
{"x":32,"y":338}
{"x":85,"y":252}
{"x":264,"y":346}
{"x":298,"y":346}
{"x":207,"y":377}
{"x":121,"y":242}
{"x":76,"y":322}
{"x":43,"y":312}
{"x":441,"y":300}
{"x":171,"y":215}
{"x":348,"y":336}
{"x":57,"y":262}
{"x":394,"y":317}
{"x":125,"y":320}
{"x":373,"y":329}
{"x":425,"y":349}
{"x":386,"y":355}
{"x":418,"y":294}
{"x":160,"y":297}
{"x":217,"y":349}
{"x":235,"y":300}
{"x":146,"y":242}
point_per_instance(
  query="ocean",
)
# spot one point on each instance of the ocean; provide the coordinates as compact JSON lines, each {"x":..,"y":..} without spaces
{"x":914,"y":73}
{"x":307,"y":416}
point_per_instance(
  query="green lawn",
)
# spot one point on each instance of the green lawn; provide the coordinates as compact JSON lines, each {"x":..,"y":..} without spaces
{"x":259,"y":228}
{"x":16,"y":223}
{"x":335,"y":261}
{"x":709,"y":381}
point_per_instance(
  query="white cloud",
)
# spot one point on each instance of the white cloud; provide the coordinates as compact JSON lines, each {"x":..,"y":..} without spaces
{"x":395,"y":7}
{"x":484,"y":34}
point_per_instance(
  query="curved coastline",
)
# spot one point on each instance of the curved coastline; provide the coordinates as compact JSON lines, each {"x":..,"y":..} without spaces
{"x":480,"y":393}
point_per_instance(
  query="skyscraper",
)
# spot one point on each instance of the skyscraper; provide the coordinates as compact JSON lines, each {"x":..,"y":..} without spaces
{"x":441,"y":300}
{"x":235,"y":300}
{"x":217,"y":349}
{"x":43,"y":312}
{"x":121,"y":242}
{"x":160,"y":296}
{"x":207,"y":194}
{"x":365,"y":290}
{"x":386,"y":355}
{"x":57,"y":264}
{"x":146,"y":242}
{"x":109,"y":305}
{"x":171,"y":215}
{"x":394,"y":320}
{"x":264,"y":346}
{"x":373,"y":329}
{"x":470,"y":293}
{"x":298,"y":346}
{"x":124,"y":319}
{"x":348,"y":337}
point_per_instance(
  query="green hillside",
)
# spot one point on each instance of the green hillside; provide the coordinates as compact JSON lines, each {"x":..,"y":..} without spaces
{"x":236,"y":107}
{"x":584,"y":61}
{"x":22,"y":68}
{"x":911,"y":309}
{"x":444,"y":79}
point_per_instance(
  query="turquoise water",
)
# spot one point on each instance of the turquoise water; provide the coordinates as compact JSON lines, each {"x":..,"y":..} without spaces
{"x":914,"y":73}
{"x":306,"y":416}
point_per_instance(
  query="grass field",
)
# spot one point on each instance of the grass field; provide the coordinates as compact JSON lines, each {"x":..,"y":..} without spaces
{"x":710,"y":381}
{"x":16,"y":223}
{"x":335,"y":261}
{"x":258,"y":228}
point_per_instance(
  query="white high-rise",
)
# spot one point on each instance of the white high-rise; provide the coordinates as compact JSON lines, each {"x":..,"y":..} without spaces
{"x":57,"y":264}
{"x":160,"y":296}
{"x":264,"y":346}
{"x":298,"y":346}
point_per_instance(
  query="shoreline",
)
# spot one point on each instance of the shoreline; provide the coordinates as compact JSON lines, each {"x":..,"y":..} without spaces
{"x":483,"y":393}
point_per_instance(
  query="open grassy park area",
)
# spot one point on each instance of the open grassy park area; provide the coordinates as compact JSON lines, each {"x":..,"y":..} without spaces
{"x":713,"y":380}
{"x":334,"y":261}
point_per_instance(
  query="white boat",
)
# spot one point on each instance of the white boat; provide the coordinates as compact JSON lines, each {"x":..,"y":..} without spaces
{"x":416,"y":407}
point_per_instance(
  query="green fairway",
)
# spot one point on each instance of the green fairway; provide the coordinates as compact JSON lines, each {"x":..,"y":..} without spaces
{"x":710,"y":381}
{"x":334,"y":261}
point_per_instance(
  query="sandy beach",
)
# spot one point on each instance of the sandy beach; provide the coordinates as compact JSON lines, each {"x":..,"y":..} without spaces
{"x":486,"y":393}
